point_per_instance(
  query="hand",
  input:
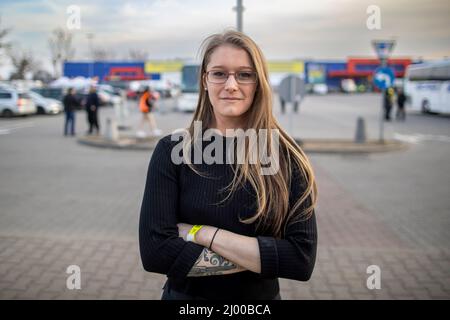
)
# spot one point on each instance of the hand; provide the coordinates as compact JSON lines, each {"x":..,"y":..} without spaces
{"x":183,"y":230}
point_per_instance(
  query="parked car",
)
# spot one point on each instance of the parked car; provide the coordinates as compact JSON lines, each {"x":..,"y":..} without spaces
{"x":46,"y":105}
{"x":13,"y":102}
{"x":348,"y":85}
{"x":320,"y":88}
{"x":54,"y":93}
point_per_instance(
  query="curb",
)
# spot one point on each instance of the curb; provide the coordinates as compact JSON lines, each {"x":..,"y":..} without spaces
{"x":324,"y":146}
{"x":341,"y":146}
{"x":130,"y":143}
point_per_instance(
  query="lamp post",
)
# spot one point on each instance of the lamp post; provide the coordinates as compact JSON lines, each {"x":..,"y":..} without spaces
{"x":90,"y":36}
{"x":239,"y":10}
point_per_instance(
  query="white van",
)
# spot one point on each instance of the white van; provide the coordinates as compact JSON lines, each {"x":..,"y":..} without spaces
{"x":13,"y":102}
{"x":427,"y":86}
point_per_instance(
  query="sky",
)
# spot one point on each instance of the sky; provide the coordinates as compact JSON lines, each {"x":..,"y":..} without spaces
{"x":284,"y":29}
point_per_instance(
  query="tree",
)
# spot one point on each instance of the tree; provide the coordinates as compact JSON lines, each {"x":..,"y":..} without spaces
{"x":23,"y":62}
{"x":61,"y":49}
{"x":4,"y":45}
{"x":42,"y":75}
{"x":99,"y":54}
{"x":138,"y":55}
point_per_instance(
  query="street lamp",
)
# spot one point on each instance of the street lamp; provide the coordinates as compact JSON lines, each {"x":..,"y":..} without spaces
{"x":239,"y":10}
{"x":90,"y":36}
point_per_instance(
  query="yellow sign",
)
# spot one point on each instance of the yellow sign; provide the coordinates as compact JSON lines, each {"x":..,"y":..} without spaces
{"x":163,"y":66}
{"x":286,"y":66}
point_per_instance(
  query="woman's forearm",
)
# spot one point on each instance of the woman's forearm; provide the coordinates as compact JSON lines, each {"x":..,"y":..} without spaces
{"x":210,"y":263}
{"x":240,"y":250}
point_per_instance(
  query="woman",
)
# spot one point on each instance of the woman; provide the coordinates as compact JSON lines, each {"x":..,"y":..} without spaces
{"x":146,"y":105}
{"x":223,"y":230}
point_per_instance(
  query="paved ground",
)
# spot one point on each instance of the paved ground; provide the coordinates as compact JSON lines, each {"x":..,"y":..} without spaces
{"x":62,"y":203}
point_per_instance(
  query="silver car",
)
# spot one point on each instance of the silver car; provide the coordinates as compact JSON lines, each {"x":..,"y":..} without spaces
{"x":13,"y":102}
{"x":45,"y":105}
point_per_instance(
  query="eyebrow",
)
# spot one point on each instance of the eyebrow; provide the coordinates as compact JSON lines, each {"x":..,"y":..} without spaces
{"x":241,"y":67}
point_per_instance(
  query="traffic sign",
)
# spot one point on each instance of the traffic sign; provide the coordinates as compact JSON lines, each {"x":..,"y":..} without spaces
{"x":383,"y":78}
{"x":292,"y":89}
{"x":383,"y":48}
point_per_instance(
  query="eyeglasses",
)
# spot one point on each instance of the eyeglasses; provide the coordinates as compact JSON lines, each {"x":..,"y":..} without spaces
{"x":242,"y":77}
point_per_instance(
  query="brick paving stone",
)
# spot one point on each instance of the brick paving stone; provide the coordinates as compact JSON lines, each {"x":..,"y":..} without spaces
{"x":436,"y":291}
{"x":22,"y":283}
{"x":30,"y":293}
{"x":9,"y":294}
{"x":324,"y":295}
{"x":351,"y":237}
{"x":130,"y":289}
{"x":47,"y":295}
{"x":107,"y":294}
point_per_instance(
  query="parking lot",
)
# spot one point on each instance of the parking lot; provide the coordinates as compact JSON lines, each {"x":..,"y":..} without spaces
{"x":63,"y":203}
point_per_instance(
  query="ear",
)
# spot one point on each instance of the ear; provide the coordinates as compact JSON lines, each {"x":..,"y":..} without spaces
{"x":204,"y":81}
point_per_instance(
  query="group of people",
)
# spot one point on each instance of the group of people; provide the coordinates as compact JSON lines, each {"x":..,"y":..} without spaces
{"x":390,"y":97}
{"x":91,"y":104}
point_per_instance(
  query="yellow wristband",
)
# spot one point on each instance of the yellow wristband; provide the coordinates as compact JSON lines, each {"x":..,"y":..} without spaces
{"x":191,"y":235}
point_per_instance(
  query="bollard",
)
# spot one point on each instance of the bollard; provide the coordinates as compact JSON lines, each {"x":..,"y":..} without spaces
{"x":360,"y":136}
{"x":111,"y":130}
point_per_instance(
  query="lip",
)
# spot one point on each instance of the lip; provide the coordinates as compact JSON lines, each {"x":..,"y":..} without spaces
{"x":231,"y":99}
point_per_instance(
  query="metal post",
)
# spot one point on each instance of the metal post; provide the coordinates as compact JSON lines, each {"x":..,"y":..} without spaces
{"x":383,"y":93}
{"x":90,"y":35}
{"x":239,"y":10}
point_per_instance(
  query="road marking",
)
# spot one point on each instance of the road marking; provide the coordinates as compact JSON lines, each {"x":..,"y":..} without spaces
{"x":9,"y":129}
{"x":418,"y":137}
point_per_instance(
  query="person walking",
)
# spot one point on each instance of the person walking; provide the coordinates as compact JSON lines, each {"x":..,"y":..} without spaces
{"x":229,"y":229}
{"x":388,"y":102}
{"x":70,"y":105}
{"x":146,"y":106}
{"x":401,"y":99}
{"x":92,"y":105}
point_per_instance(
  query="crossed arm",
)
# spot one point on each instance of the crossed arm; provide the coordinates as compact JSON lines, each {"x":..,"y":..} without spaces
{"x":231,"y":252}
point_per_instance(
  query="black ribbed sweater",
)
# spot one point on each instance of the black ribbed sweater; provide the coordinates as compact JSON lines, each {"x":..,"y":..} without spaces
{"x":174,"y":193}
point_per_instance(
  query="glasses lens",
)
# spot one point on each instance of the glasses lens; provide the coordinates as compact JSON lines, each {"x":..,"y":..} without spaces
{"x":218,"y":76}
{"x":246,"y":77}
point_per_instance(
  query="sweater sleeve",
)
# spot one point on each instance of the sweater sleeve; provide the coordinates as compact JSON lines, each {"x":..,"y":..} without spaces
{"x":293,"y":256}
{"x":162,"y":251}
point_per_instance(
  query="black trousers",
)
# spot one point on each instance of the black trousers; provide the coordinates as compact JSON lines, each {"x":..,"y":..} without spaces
{"x":170,"y":294}
{"x":93,"y":121}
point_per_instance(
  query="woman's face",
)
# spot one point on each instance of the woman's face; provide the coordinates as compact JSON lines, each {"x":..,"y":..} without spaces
{"x":230,"y":99}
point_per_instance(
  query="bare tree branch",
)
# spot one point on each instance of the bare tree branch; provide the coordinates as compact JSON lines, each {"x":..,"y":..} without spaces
{"x":60,"y":44}
{"x":137,"y":54}
{"x":4,"y":45}
{"x":101,"y":54}
{"x":23,"y":62}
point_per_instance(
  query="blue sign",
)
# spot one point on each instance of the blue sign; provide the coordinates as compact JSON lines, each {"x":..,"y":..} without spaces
{"x":383,"y":78}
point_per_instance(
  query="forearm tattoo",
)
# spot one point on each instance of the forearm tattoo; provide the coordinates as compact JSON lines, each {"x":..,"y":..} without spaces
{"x":210,"y":263}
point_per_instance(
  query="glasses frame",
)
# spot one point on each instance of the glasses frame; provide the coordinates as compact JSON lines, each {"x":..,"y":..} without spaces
{"x":228,"y":76}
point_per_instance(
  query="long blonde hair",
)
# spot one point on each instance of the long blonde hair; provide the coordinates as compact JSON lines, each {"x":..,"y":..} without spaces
{"x":272,"y":191}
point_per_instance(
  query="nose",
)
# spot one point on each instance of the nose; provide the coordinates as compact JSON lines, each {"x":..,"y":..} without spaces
{"x":231,"y":84}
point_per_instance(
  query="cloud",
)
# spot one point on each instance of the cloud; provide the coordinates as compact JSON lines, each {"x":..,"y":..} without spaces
{"x":322,"y":29}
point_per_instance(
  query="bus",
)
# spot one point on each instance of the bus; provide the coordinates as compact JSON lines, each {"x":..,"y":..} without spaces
{"x":187,"y":102}
{"x":427,"y":86}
